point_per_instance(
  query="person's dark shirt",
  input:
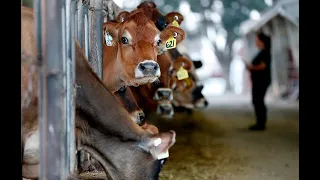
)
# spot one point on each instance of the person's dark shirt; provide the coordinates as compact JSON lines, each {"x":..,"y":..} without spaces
{"x":262,"y":76}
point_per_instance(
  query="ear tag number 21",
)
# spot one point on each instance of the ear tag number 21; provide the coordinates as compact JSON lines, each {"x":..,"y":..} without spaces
{"x":171,"y":42}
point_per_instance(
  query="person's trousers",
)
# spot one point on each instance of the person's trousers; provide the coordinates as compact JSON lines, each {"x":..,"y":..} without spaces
{"x":258,"y":93}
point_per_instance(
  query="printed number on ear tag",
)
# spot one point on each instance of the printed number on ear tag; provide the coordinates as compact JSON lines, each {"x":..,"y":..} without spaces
{"x":175,"y":23}
{"x":108,"y":38}
{"x":182,"y":74}
{"x":171,"y":43}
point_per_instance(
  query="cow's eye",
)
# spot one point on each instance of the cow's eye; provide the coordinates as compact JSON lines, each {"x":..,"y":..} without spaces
{"x":159,"y":42}
{"x":124,"y":40}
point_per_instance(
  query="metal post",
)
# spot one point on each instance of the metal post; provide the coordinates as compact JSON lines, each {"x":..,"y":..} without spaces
{"x":80,"y":31}
{"x":86,"y":30}
{"x":95,"y":30}
{"x":51,"y":97}
{"x":70,"y":100}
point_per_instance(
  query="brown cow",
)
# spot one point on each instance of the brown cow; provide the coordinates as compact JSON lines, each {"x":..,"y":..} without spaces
{"x":104,"y":128}
{"x":155,"y":97}
{"x":132,"y":53}
{"x":148,"y":92}
{"x":131,"y":50}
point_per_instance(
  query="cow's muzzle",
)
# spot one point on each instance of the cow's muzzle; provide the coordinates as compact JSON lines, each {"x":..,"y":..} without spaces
{"x":165,"y":109}
{"x":138,"y":117}
{"x":163,"y":94}
{"x":147,"y":68}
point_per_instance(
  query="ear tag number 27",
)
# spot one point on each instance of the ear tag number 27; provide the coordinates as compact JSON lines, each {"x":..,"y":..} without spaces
{"x":171,"y":42}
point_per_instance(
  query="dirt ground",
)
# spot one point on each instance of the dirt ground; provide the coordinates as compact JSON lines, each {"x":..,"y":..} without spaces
{"x":214,"y":144}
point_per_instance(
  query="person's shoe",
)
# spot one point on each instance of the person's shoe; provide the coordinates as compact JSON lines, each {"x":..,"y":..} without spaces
{"x":257,"y":127}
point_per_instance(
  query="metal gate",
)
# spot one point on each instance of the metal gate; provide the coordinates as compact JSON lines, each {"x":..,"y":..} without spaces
{"x":57,"y":22}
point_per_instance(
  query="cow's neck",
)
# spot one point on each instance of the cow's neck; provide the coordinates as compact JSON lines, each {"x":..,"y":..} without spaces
{"x":100,"y":106}
{"x":174,"y":53}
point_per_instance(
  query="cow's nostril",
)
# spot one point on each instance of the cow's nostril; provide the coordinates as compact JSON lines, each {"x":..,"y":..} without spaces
{"x":141,"y":117}
{"x":142,"y":67}
{"x":206,"y":103}
{"x":156,"y":67}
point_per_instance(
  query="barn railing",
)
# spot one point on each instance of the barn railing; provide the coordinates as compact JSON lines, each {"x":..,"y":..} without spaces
{"x":57,"y":23}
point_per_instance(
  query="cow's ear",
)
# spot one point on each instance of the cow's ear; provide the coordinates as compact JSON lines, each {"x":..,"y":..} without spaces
{"x":158,"y":145}
{"x":197,"y":64}
{"x":110,"y":33}
{"x":147,"y":4}
{"x":174,"y":16}
{"x":187,"y":64}
{"x":178,"y":33}
{"x":122,"y":16}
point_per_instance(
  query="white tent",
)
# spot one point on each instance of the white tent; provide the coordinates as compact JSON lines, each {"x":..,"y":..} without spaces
{"x":281,"y":22}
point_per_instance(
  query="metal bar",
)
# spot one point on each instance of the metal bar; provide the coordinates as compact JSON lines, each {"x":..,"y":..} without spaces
{"x":80,"y":26}
{"x":65,"y":149}
{"x":51,"y":84}
{"x":70,"y":68}
{"x":95,"y":30}
{"x":86,"y":31}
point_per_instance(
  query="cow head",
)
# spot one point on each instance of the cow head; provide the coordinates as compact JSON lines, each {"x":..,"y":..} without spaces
{"x":130,"y":159}
{"x":184,"y":85}
{"x":137,"y":40}
{"x":199,"y":100}
{"x":126,"y":98}
{"x":186,"y":91}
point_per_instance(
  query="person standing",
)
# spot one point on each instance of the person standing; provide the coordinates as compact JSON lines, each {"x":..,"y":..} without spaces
{"x":261,"y":78}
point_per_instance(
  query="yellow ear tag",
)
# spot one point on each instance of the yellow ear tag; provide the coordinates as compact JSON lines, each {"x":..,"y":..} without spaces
{"x":171,"y":43}
{"x":188,"y":82}
{"x":182,"y":74}
{"x":175,"y":23}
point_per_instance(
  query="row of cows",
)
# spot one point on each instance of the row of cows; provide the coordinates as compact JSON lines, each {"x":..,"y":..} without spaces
{"x":142,"y":73}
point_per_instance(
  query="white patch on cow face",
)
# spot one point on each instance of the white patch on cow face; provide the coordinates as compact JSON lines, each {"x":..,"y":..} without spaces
{"x":160,"y":46}
{"x":31,"y":148}
{"x":157,"y":142}
{"x":147,"y":68}
{"x":163,"y":155}
{"x":33,"y":141}
{"x":200,"y":103}
{"x":190,"y":106}
{"x":157,"y":38}
{"x":127,"y":35}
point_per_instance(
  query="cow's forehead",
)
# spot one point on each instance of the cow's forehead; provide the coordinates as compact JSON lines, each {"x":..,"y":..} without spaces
{"x":145,"y":32}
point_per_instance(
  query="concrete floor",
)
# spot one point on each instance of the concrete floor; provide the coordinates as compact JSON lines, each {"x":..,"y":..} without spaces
{"x":214,"y":143}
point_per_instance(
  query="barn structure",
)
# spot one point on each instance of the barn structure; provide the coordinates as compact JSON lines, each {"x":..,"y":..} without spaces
{"x":281,"y":22}
{"x":80,"y":19}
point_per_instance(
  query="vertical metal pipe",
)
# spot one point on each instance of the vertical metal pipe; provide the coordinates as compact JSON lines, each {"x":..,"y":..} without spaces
{"x":95,"y":30}
{"x":70,"y":110}
{"x":52,"y":95}
{"x":80,"y":25}
{"x":86,"y":31}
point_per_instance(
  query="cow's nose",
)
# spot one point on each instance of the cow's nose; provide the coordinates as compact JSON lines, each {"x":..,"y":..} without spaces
{"x":141,"y":118}
{"x":165,"y":109}
{"x":148,"y":68}
{"x":206,"y":103}
{"x":163,"y":94}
